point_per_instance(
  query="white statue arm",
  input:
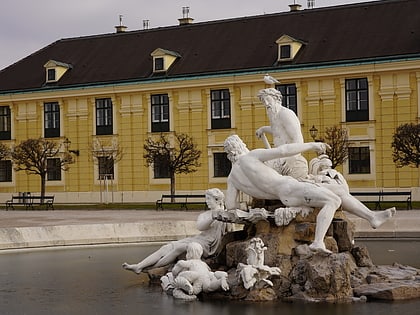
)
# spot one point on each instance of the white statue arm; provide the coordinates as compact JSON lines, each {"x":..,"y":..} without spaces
{"x":232,"y":194}
{"x":287,"y":150}
{"x":264,"y":129}
{"x":205,"y":220}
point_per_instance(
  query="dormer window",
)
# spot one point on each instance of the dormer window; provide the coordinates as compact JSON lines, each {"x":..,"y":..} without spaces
{"x":163,"y":59}
{"x":55,"y":70}
{"x":285,"y":51}
{"x":159,"y":64}
{"x":288,"y":47}
{"x":51,"y":75}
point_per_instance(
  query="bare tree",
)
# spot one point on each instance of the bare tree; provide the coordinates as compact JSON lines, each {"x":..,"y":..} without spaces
{"x":106,"y":152}
{"x":32,"y":156}
{"x":180,"y":155}
{"x":406,"y":145}
{"x":337,"y":138}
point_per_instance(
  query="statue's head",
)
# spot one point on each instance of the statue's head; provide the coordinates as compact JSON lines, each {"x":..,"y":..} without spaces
{"x":215,"y":198}
{"x":194,"y":251}
{"x":318,"y":164}
{"x":234,"y":147}
{"x":271,"y":98}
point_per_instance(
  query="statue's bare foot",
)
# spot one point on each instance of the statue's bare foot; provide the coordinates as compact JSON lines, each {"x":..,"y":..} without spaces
{"x":319,"y":248}
{"x":133,"y":268}
{"x":381,"y":217}
{"x":224,"y":285}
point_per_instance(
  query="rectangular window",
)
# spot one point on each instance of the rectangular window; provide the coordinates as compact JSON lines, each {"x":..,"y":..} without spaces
{"x":5,"y":123}
{"x":160,"y":112}
{"x":104,"y":116}
{"x":288,"y":91}
{"x":53,"y":169}
{"x":359,"y":160}
{"x":51,"y":75}
{"x":222,"y":165}
{"x":160,"y":167}
{"x":105,"y":167}
{"x":357,"y":100}
{"x":159,"y":64}
{"x":220,"y":109}
{"x":51,"y":120}
{"x":285,"y":52}
{"x":5,"y":171}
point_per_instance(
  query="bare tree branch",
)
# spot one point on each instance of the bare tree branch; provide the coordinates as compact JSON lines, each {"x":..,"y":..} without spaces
{"x":337,"y":138}
{"x":31,"y":156}
{"x":406,"y":145}
{"x":181,"y":156}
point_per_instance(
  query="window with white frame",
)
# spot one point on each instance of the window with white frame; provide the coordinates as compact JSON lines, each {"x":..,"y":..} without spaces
{"x":221,"y":164}
{"x":51,"y":120}
{"x":161,"y":167}
{"x":288,"y":91}
{"x":357,"y":100}
{"x":160,"y":112}
{"x":53,"y":169}
{"x":5,"y":123}
{"x":105,"y":167}
{"x":5,"y":171}
{"x":104,"y":120}
{"x":220,"y":109}
{"x":359,"y":160}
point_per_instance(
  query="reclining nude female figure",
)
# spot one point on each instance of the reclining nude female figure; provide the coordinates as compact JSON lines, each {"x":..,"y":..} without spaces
{"x":210,"y":237}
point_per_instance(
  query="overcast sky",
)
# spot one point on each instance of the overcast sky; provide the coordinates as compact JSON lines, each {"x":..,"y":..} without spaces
{"x":29,"y":25}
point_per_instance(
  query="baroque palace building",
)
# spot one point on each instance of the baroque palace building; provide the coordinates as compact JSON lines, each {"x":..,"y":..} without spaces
{"x":356,"y":66}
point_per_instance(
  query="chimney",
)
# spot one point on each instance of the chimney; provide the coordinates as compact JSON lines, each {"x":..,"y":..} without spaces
{"x":294,"y":7}
{"x":146,"y":24}
{"x":311,"y":4}
{"x":185,"y":20}
{"x":120,"y":28}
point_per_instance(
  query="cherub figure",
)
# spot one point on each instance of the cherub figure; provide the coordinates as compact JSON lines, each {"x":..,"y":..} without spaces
{"x":193,"y":276}
{"x":255,"y":272}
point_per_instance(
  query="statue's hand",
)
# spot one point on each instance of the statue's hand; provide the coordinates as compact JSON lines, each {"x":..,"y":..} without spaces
{"x":321,"y":148}
{"x":259,"y":132}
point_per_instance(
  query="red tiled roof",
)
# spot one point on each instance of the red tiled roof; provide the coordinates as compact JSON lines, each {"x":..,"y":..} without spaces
{"x":382,"y":29}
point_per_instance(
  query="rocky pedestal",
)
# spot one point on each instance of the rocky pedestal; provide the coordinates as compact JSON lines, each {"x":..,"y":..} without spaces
{"x":346,"y":275}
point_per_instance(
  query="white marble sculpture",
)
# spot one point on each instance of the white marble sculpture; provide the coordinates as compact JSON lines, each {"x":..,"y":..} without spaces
{"x":283,"y":216}
{"x":210,"y":237}
{"x":252,"y":176}
{"x":284,"y":128}
{"x":322,"y":173}
{"x":192,"y":276}
{"x":254,"y":272}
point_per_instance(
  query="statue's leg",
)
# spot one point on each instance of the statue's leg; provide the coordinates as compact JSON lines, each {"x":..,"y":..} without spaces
{"x":162,"y":257}
{"x":329,"y":203}
{"x":356,"y":207}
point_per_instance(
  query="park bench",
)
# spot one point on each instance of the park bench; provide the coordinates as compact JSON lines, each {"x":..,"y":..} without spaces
{"x":381,"y":196}
{"x":29,"y":201}
{"x":183,"y":200}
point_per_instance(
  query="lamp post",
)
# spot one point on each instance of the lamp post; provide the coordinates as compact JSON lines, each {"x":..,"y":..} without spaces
{"x":313,"y":132}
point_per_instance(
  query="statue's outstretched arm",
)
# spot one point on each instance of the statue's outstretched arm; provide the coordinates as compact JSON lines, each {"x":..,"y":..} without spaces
{"x":287,"y":150}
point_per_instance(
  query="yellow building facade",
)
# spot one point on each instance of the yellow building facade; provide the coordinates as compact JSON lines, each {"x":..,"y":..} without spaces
{"x":322,"y":92}
{"x":393,"y":100}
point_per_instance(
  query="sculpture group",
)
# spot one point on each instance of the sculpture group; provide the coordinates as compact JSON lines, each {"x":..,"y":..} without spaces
{"x":278,"y":173}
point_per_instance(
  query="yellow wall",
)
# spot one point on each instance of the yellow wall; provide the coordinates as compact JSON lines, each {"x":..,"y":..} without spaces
{"x":393,"y":89}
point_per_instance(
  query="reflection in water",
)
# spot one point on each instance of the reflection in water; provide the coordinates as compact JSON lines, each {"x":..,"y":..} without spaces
{"x":90,"y":280}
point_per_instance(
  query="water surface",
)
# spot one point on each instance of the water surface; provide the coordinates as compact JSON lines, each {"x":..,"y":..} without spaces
{"x":90,"y":280}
